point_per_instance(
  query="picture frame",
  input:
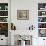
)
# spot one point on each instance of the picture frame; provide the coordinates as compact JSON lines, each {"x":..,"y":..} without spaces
{"x":42,"y":32}
{"x":13,"y":27}
{"x":22,"y":14}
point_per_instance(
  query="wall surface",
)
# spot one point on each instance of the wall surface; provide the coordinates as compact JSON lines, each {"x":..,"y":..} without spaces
{"x":32,"y":6}
{"x":24,"y":5}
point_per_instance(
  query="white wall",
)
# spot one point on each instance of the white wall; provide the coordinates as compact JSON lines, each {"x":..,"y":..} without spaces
{"x":24,"y":5}
{"x":32,"y":6}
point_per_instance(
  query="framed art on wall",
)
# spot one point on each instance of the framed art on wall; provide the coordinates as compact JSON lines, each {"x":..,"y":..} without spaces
{"x":22,"y":14}
{"x":42,"y":32}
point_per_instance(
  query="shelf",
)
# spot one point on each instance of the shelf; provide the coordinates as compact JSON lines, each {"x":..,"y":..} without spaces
{"x":41,"y":22}
{"x":42,"y":19}
{"x":3,"y":16}
{"x":4,"y":19}
{"x":41,"y":10}
{"x":41,"y":28}
{"x":3,"y":10}
{"x":3,"y":22}
{"x":42,"y":16}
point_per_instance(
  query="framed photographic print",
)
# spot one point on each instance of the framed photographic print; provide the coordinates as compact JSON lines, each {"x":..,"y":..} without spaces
{"x":42,"y":32}
{"x":13,"y":27}
{"x":22,"y":14}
